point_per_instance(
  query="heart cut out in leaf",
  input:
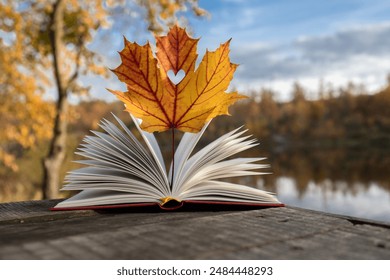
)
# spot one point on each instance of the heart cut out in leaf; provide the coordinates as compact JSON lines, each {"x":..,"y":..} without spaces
{"x":164,"y":102}
{"x":175,"y":79}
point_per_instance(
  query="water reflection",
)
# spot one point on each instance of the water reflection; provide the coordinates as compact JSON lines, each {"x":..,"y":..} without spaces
{"x":371,"y":202}
{"x":350,"y":182}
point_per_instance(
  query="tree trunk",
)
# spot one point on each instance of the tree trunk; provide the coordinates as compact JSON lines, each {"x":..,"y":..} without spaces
{"x":55,"y":157}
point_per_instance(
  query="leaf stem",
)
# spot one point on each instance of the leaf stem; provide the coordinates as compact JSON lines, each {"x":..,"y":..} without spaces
{"x":173,"y":156}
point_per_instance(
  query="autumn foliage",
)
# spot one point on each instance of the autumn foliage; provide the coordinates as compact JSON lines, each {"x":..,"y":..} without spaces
{"x":162,"y":104}
{"x":44,"y":52}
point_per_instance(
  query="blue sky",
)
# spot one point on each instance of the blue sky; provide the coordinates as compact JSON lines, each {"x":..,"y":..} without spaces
{"x":278,"y":42}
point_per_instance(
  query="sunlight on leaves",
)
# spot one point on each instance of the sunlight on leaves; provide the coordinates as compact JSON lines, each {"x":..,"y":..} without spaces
{"x":184,"y":102}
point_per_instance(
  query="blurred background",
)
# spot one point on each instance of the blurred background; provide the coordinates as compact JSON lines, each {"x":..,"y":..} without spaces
{"x":317,"y":74}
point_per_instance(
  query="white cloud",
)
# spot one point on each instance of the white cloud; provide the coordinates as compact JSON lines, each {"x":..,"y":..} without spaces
{"x":370,"y":40}
{"x":360,"y":54}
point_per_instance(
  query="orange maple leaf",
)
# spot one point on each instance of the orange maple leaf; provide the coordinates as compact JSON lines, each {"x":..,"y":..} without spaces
{"x":161,"y":104}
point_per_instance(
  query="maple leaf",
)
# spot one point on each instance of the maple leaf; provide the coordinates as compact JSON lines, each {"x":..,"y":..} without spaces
{"x":161,"y":104}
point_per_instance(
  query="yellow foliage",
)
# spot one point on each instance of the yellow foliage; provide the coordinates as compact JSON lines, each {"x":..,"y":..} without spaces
{"x":160,"y":103}
{"x":8,"y":160}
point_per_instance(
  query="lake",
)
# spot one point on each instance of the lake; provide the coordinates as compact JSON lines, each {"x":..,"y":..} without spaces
{"x":353,"y":182}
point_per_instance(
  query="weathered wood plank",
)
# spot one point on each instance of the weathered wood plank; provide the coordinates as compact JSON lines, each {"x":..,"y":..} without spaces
{"x":272,"y":233}
{"x":19,"y":212}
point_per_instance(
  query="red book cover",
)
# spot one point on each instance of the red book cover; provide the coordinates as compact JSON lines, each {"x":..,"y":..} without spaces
{"x":183,"y":205}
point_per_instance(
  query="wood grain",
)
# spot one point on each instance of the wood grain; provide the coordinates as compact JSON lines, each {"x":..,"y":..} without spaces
{"x":28,"y":230}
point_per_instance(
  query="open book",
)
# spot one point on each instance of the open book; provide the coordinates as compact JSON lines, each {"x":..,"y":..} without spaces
{"x":122,"y":172}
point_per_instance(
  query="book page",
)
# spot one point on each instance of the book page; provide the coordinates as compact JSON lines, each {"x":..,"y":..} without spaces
{"x":104,"y":197}
{"x":118,"y":161}
{"x":182,"y":153}
{"x":224,"y":191}
{"x":195,"y":168}
{"x":154,"y":148}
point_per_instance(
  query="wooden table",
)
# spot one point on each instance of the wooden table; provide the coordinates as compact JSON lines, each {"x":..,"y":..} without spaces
{"x":28,"y":230}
